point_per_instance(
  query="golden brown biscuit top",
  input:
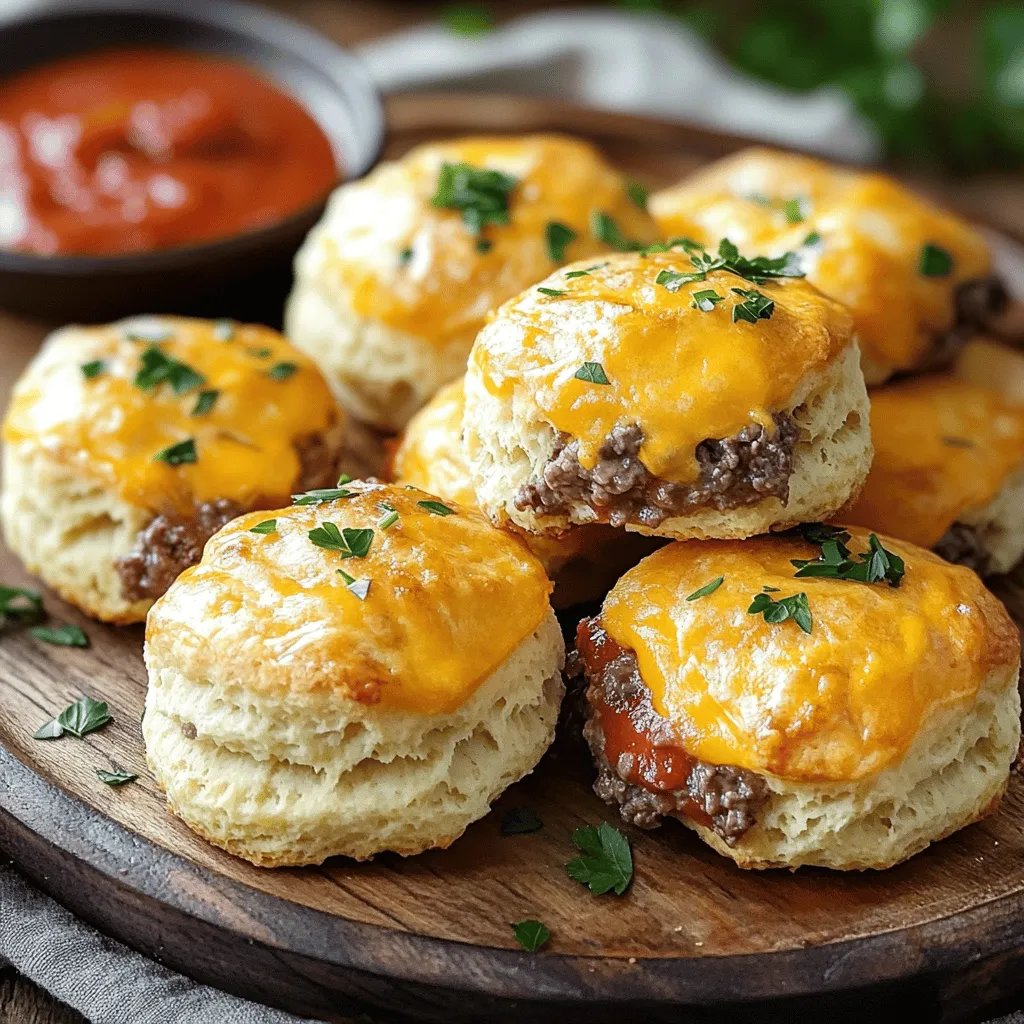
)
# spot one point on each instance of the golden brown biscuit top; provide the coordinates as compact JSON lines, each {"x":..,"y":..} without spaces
{"x":169,"y":410}
{"x":617,"y":347}
{"x":420,"y":268}
{"x":836,"y":704}
{"x":384,"y":595}
{"x":942,"y":447}
{"x":861,"y":237}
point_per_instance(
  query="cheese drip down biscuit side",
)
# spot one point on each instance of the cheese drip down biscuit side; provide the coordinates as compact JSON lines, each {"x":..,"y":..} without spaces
{"x":363,"y":674}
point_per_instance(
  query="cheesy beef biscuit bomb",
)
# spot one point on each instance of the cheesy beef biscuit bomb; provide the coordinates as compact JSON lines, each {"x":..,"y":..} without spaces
{"x":948,"y":471}
{"x":582,"y":562}
{"x":394,"y":283}
{"x":344,"y":678}
{"x":917,"y":279}
{"x":670,"y":400}
{"x":844,"y":720}
{"x":126,"y":446}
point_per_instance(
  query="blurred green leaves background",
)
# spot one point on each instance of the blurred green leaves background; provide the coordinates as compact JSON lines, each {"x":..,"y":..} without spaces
{"x":941,"y":80}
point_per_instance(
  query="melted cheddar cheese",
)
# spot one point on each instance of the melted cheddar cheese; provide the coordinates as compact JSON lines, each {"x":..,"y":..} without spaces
{"x":681,"y":374}
{"x":107,"y":428}
{"x":450,"y":598}
{"x":943,"y":447}
{"x":430,"y":457}
{"x":838,"y":704}
{"x":444,"y":286}
{"x":871,"y":233}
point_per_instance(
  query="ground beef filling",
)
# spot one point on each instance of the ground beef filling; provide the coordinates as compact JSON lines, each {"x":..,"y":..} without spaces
{"x":981,"y":306}
{"x":963,"y":545}
{"x":740,"y":470}
{"x":169,"y":544}
{"x":652,"y":776}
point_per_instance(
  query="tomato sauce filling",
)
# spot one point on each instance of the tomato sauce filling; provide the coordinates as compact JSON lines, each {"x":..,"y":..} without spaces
{"x":135,"y":149}
{"x":630,"y":724}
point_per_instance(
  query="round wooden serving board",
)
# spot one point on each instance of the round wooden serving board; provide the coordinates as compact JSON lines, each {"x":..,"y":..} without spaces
{"x":692,"y":938}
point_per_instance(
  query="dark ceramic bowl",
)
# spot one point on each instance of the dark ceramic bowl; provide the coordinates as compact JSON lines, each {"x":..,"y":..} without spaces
{"x":245,"y":275}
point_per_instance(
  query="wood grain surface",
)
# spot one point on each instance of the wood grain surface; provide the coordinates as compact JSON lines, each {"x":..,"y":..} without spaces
{"x":431,"y":934}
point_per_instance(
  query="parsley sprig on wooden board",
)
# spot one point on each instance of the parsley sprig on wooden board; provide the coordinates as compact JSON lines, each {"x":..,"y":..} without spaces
{"x":480,"y":195}
{"x":605,"y":862}
{"x":79,"y":719}
{"x":20,"y":606}
{"x":531,"y":935}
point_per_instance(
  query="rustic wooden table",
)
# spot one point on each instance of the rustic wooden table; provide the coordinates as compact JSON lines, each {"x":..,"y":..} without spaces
{"x":990,"y":197}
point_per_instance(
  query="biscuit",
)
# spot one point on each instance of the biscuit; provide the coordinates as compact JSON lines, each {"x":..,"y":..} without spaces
{"x":376,"y":693}
{"x":391,"y":288}
{"x":126,"y":446}
{"x":613,"y":397}
{"x":917,"y":279}
{"x":948,"y":472}
{"x":801,"y":721}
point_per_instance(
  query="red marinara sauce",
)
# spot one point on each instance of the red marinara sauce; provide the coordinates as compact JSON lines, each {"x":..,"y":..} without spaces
{"x":655,"y":760}
{"x":125,"y":150}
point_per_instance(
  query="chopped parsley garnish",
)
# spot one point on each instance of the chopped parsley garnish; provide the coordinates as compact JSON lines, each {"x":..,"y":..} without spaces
{"x":706,"y":299}
{"x":343,"y":478}
{"x":480,"y":195}
{"x":793,"y":210}
{"x":224,"y":330}
{"x":387,"y":520}
{"x":114,"y":778}
{"x":958,"y":442}
{"x":281,"y":371}
{"x":259,"y":352}
{"x":754,"y":307}
{"x":570,"y":274}
{"x":759,"y":269}
{"x":836,"y":561}
{"x":637,"y":194}
{"x":405,"y":256}
{"x":180,"y":454}
{"x":555,"y":293}
{"x":484,"y":246}
{"x":558,"y":237}
{"x":18,"y":605}
{"x":708,"y":588}
{"x":592,"y":373}
{"x":531,"y":935}
{"x":758,"y":199}
{"x":935,"y":261}
{"x":605,"y":862}
{"x":205,"y":401}
{"x":63,"y":636}
{"x":607,"y":231}
{"x":358,"y":587}
{"x":321,"y":495}
{"x":349,"y":542}
{"x":812,"y":239}
{"x":267,"y":526}
{"x":519,"y":821}
{"x":467,"y":19}
{"x":93,"y":369}
{"x":436,"y":508}
{"x":770,"y":590}
{"x":156,"y":367}
{"x":673,"y":280}
{"x":794,"y":607}
{"x":84,"y":716}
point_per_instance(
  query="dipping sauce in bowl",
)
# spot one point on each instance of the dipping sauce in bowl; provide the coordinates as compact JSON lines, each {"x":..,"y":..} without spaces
{"x":127,"y":150}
